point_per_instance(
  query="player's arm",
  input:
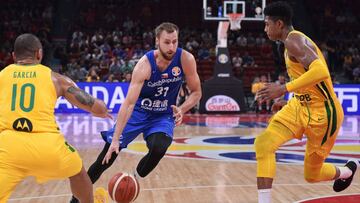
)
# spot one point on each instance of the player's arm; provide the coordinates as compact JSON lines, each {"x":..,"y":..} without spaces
{"x":141,"y":72}
{"x":302,"y":50}
{"x":67,"y":88}
{"x":192,"y":79}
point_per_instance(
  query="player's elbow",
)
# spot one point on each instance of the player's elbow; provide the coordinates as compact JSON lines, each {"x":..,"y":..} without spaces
{"x":197,"y":95}
{"x":323,"y":74}
{"x":322,"y":71}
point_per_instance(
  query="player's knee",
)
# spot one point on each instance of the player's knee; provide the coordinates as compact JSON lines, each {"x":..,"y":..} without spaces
{"x":159,"y":148}
{"x":312,"y":167}
{"x":159,"y":144}
{"x":311,"y":175}
{"x":263,"y":145}
{"x":311,"y":178}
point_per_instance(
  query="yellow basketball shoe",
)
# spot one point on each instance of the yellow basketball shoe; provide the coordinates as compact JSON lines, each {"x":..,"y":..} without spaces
{"x":101,"y":195}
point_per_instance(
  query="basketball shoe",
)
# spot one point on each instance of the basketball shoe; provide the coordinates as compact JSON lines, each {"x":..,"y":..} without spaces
{"x":342,"y":184}
{"x":101,"y":195}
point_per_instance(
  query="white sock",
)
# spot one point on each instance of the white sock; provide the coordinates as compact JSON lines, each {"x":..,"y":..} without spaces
{"x":345,"y":172}
{"x":136,"y":175}
{"x":264,"y":196}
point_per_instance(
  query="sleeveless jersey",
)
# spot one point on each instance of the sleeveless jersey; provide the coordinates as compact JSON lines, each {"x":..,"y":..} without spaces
{"x":27,"y":99}
{"x":319,"y":92}
{"x":161,"y":90}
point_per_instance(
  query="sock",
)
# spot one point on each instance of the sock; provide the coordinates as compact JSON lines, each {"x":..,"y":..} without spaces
{"x":345,"y":172}
{"x":136,"y":174}
{"x":264,"y":196}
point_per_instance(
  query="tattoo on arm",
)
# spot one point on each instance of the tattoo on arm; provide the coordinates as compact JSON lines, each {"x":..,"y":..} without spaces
{"x":82,"y":96}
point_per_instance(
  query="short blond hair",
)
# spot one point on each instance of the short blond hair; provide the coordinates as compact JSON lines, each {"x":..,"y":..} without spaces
{"x":168,"y":27}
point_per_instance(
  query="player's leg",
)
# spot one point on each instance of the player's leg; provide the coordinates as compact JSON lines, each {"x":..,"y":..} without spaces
{"x":344,"y":174}
{"x":157,"y":143}
{"x":317,"y":150}
{"x":81,"y":186}
{"x":97,"y":168}
{"x":158,"y":136}
{"x":266,"y":145}
{"x":131,"y":131}
{"x":8,"y":181}
{"x":321,"y":139}
{"x":316,"y":170}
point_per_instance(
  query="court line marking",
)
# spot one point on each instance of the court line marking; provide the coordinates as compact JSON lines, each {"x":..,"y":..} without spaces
{"x":183,"y":188}
{"x":326,"y":196}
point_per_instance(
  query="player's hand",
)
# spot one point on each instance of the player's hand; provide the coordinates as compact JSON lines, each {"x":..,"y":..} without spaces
{"x":278,"y":105}
{"x":178,"y":115}
{"x":114,"y":147}
{"x":104,"y":115}
{"x":270,"y":91}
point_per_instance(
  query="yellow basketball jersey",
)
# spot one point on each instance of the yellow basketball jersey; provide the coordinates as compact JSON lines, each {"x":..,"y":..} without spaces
{"x":319,"y":92}
{"x":27,"y":99}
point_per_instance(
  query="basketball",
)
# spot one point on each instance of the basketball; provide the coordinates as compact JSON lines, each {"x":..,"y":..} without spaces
{"x":123,"y":188}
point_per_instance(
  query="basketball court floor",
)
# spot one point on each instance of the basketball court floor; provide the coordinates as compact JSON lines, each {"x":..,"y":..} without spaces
{"x":211,"y":160}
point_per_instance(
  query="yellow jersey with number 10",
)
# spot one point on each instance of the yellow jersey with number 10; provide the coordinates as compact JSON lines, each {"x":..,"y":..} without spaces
{"x":27,"y":99}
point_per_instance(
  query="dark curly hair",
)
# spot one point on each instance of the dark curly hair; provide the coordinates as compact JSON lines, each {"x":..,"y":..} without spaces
{"x":279,"y":10}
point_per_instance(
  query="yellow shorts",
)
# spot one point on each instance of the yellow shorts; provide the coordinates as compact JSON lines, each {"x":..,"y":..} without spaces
{"x":45,"y":156}
{"x":320,"y":122}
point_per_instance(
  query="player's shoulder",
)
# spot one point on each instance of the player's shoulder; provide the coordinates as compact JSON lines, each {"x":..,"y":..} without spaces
{"x":294,"y":41}
{"x":142,"y":68}
{"x":143,"y":61}
{"x":2,"y":72}
{"x":185,"y":55}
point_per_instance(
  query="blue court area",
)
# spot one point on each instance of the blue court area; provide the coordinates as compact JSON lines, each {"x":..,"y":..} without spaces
{"x":214,"y":137}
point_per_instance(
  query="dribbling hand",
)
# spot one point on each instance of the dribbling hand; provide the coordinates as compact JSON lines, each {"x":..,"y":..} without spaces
{"x":178,"y":114}
{"x":104,"y":115}
{"x":270,"y":91}
{"x":278,"y":105}
{"x":114,"y":147}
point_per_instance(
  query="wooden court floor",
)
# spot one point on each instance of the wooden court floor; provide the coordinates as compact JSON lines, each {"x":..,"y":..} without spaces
{"x":210,"y":161}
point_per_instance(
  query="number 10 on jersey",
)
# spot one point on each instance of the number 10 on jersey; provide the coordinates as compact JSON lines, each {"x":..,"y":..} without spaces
{"x":27,"y":87}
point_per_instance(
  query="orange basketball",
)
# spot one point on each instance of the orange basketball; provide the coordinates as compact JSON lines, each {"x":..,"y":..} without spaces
{"x":123,"y":188}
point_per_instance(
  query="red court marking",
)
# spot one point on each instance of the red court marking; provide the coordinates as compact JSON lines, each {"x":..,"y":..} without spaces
{"x":353,"y":198}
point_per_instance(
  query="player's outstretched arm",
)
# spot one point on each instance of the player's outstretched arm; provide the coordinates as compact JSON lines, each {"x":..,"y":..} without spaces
{"x":305,"y":53}
{"x":141,"y":72}
{"x":192,"y":79}
{"x":67,"y":88}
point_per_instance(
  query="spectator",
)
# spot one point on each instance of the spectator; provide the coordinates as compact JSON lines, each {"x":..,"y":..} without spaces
{"x":127,"y":77}
{"x":127,"y":67}
{"x":248,"y":60}
{"x":203,"y":53}
{"x":93,"y":76}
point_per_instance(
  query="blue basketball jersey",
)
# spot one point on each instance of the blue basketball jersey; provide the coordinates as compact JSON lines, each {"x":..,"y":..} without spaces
{"x":161,"y":90}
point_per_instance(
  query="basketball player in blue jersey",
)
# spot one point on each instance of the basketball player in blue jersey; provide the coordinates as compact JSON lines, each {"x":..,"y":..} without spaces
{"x":150,"y":105}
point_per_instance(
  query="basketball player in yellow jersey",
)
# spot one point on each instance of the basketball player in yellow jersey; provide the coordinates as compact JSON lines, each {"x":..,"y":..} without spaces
{"x":314,"y":110}
{"x":30,"y":141}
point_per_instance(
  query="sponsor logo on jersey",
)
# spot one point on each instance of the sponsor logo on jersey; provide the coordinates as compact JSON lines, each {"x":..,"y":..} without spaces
{"x":23,"y":124}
